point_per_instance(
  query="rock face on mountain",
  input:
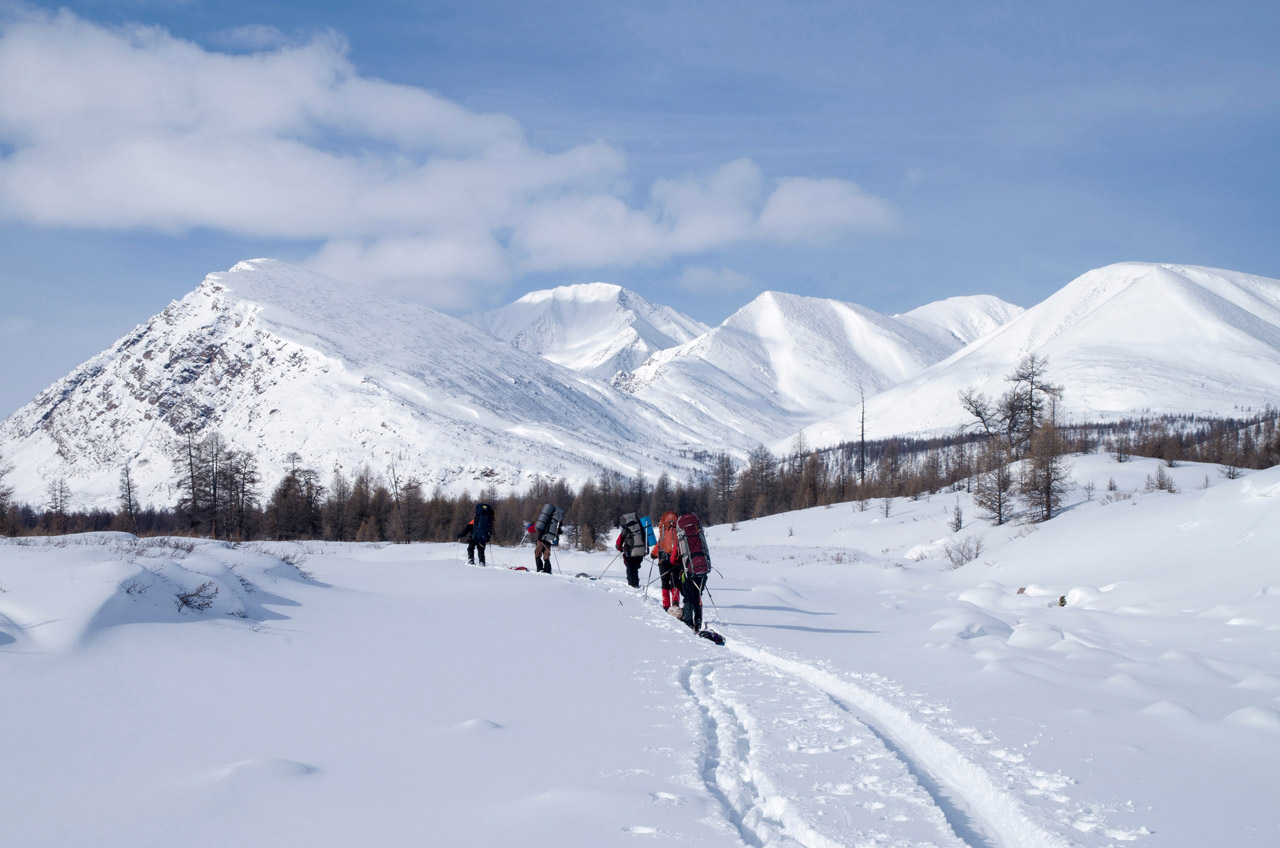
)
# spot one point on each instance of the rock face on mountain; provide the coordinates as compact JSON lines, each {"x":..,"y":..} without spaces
{"x":278,"y":359}
{"x":1128,"y":339}
{"x":596,"y":328}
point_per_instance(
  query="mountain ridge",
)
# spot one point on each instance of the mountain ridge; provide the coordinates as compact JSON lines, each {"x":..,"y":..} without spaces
{"x":598,"y":329}
{"x":1125,"y":339}
{"x":279,"y":359}
{"x":339,"y":375}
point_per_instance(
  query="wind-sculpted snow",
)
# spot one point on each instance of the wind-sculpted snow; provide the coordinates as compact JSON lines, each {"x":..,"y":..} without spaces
{"x":1127,"y":339}
{"x":281,"y":360}
{"x":596,"y":328}
{"x":61,"y":592}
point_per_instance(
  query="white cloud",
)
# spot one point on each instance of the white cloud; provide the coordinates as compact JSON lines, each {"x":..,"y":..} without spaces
{"x":822,"y":211}
{"x":251,"y":37}
{"x":130,"y":128}
{"x":420,"y":267}
{"x":702,"y":278}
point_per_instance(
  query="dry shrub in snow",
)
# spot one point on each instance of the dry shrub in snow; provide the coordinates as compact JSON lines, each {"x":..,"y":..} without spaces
{"x":199,"y":599}
{"x":964,"y":551}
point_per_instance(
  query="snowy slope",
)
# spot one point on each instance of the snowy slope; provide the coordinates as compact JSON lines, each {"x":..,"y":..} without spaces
{"x":784,"y":360}
{"x":965,"y":319}
{"x":597,"y":328}
{"x":868,"y":694}
{"x":1124,"y":339}
{"x":279,"y":359}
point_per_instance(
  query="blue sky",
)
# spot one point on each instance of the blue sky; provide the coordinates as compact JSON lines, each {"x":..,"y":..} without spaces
{"x":461,"y":154}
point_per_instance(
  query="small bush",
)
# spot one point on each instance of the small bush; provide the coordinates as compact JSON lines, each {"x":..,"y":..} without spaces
{"x":199,"y":599}
{"x":964,"y":551}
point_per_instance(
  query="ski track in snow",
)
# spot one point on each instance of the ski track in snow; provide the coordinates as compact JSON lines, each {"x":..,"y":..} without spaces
{"x":760,"y":769}
{"x":769,"y":724}
{"x":978,"y":812}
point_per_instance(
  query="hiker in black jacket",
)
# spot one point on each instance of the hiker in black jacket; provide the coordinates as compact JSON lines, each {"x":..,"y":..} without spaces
{"x":472,"y":544}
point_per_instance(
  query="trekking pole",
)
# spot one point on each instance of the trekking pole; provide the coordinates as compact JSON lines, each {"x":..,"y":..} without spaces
{"x":644,"y":588}
{"x":516,"y":549}
{"x":710,"y":597}
{"x":611,"y":562}
{"x":555,"y":553}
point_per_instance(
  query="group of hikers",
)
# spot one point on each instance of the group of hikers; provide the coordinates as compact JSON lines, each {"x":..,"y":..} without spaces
{"x":680,"y":548}
{"x":677,"y":544}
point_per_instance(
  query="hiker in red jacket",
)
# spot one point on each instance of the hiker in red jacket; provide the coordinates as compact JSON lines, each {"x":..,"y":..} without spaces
{"x":668,"y":561}
{"x":541,"y":551}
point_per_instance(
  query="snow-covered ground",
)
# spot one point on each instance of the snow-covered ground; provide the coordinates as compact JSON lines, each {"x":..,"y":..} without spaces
{"x":869,"y":694}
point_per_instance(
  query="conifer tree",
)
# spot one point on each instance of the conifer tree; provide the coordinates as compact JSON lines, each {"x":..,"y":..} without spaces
{"x":723,"y":484}
{"x":128,"y":500}
{"x":994,"y":493}
{"x":1046,"y":474}
{"x":59,"y":504}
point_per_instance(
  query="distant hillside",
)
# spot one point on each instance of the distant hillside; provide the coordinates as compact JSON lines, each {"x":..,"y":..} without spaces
{"x":1125,"y":339}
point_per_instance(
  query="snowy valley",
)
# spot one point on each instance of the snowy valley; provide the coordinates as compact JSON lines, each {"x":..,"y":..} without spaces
{"x":1109,"y":678}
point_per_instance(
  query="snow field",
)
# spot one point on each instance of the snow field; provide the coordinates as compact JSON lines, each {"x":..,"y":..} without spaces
{"x":869,"y":694}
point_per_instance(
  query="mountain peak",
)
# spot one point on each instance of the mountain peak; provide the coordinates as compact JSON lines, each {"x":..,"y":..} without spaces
{"x":1131,"y":338}
{"x":582,"y":292}
{"x":279,"y":359}
{"x":597,"y":329}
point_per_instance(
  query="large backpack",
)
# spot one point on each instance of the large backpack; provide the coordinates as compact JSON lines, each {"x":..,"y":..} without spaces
{"x":482,"y":528}
{"x":692,"y":544}
{"x":649,"y":538}
{"x":634,"y":545}
{"x":548,"y":524}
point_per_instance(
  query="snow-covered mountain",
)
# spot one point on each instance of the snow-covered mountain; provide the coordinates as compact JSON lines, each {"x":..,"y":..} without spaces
{"x":278,"y":359}
{"x":1129,"y":338}
{"x":596,"y":328}
{"x":965,"y":319}
{"x":783,"y":361}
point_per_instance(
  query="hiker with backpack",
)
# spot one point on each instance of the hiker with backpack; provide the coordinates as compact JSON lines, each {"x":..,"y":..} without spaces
{"x":545,"y":529}
{"x":633,"y":545}
{"x":668,"y":557}
{"x":695,"y":567}
{"x":478,"y":532}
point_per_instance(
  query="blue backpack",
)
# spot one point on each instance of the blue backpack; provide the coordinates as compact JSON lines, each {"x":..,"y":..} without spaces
{"x":650,"y":537}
